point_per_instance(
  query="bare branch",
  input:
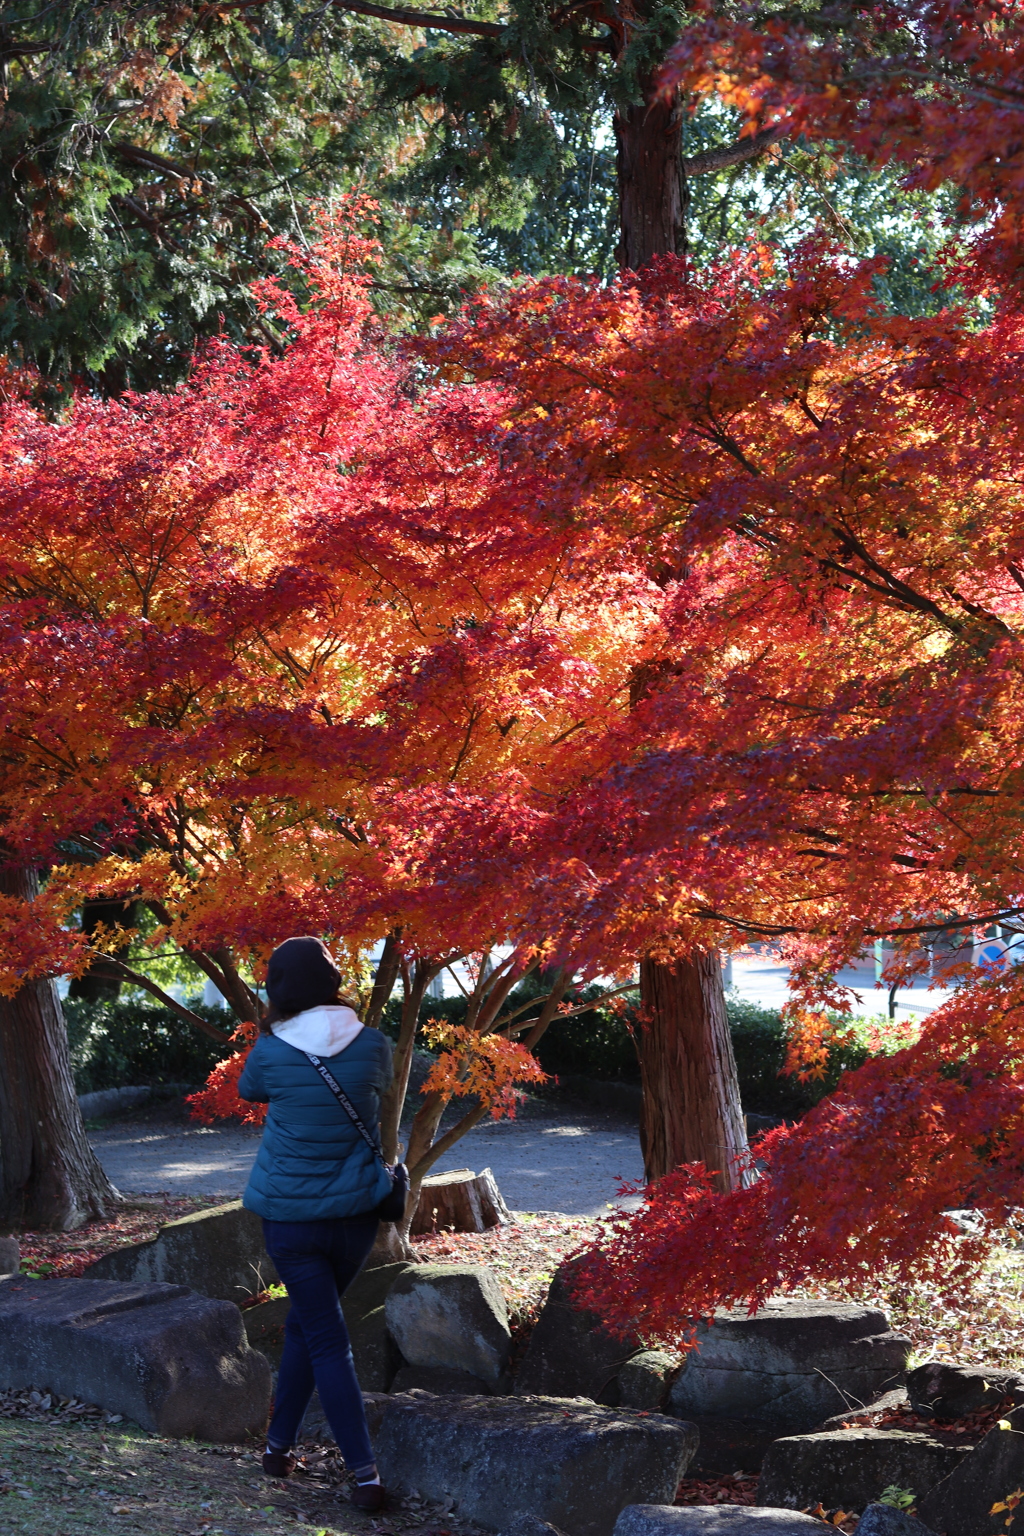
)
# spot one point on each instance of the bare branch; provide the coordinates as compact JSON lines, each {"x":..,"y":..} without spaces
{"x":116,"y":970}
{"x":725,"y":155}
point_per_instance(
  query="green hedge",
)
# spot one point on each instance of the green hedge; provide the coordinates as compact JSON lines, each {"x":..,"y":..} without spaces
{"x":599,"y":1045}
{"x":759,"y":1044}
{"x":134,"y":1041}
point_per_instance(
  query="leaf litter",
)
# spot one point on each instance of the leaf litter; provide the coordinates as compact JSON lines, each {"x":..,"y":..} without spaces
{"x":986,"y":1330}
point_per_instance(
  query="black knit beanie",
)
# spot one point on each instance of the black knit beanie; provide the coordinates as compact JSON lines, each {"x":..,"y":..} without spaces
{"x":301,"y":975}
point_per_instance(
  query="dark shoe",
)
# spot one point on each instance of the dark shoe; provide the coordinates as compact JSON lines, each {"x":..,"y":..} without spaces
{"x":369,"y":1497}
{"x":279,"y":1463}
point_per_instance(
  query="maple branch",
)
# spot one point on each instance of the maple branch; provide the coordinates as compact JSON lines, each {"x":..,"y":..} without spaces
{"x":112,"y":969}
{"x":507,"y":1025}
{"x":474,"y":715}
{"x":781,"y":930}
{"x":727,"y":155}
{"x":424,"y":1164}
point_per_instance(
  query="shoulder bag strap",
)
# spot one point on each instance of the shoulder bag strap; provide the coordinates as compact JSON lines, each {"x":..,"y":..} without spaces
{"x":346,"y":1104}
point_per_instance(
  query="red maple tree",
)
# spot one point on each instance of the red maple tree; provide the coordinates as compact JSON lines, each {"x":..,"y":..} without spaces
{"x":827,"y":749}
{"x":292,"y":649}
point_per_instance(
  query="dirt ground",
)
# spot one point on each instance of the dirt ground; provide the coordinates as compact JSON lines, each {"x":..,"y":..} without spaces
{"x":60,"y":1478}
{"x":552,"y":1156}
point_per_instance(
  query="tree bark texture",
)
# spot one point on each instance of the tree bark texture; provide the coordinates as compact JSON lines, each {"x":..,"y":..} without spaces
{"x":49,"y":1174}
{"x":652,"y":190}
{"x":95,"y":986}
{"x":691,"y":1109}
{"x":461,"y":1201}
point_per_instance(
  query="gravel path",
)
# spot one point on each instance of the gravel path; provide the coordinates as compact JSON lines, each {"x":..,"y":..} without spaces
{"x":571,"y":1159}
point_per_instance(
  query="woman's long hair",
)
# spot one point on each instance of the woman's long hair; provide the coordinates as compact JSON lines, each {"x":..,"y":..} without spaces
{"x":274,"y":1015}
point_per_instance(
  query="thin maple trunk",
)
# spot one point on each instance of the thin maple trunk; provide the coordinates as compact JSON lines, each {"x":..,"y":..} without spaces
{"x":691,"y":1110}
{"x":384,"y":981}
{"x":488,"y":997}
{"x":652,"y":189}
{"x":415,"y":980}
{"x":50,"y":1177}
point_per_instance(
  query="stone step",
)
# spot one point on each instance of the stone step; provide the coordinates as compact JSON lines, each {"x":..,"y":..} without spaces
{"x":571,"y":1464}
{"x":175,"y":1362}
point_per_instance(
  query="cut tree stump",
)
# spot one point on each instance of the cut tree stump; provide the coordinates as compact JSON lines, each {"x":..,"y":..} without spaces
{"x":462,"y":1201}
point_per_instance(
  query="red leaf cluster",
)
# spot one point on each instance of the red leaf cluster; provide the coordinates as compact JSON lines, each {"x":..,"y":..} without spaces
{"x":935,"y":85}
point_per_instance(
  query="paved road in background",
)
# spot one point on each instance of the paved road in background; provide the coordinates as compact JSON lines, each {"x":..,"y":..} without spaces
{"x":760,"y":980}
{"x":569,"y":1161}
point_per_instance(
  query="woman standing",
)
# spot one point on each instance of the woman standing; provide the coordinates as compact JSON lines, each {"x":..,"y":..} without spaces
{"x":316,"y":1183}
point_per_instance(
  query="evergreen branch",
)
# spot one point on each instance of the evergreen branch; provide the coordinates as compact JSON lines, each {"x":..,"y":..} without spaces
{"x":409,"y":18}
{"x":726,"y":155}
{"x":401,"y":15}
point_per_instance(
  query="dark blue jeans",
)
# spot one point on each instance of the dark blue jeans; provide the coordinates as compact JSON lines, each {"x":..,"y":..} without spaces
{"x":316,"y":1260}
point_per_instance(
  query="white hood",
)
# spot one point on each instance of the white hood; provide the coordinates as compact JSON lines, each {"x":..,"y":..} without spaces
{"x":324,"y":1031}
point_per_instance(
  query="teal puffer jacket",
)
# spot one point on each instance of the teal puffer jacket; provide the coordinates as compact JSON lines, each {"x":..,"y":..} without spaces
{"x":312,"y":1163}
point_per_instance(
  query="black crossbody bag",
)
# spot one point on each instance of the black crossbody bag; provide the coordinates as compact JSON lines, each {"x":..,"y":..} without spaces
{"x":392,"y":1207}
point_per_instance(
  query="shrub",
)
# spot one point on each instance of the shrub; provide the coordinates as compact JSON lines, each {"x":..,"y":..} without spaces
{"x":759,"y":1044}
{"x":137,"y":1042}
{"x":599,"y":1044}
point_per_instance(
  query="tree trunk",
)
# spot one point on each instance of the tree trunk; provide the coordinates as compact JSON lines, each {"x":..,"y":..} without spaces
{"x":110,"y":912}
{"x":652,"y":190}
{"x":415,"y":980}
{"x":461,"y":1201}
{"x":691,"y":1099}
{"x":49,"y":1174}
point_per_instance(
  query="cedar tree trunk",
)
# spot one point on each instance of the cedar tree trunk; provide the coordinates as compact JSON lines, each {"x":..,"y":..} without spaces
{"x":93,"y":986}
{"x":49,"y":1174}
{"x":691,"y":1099}
{"x":652,"y":190}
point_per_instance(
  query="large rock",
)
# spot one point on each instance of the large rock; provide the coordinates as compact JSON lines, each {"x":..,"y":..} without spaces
{"x":941,"y":1391}
{"x":852,"y":1467}
{"x":10,"y":1256}
{"x":529,"y":1525}
{"x":370,"y":1289}
{"x":712,"y":1520}
{"x":111,"y":1101}
{"x":574,"y":1465}
{"x":960,"y":1505}
{"x":887,"y":1403}
{"x":781,"y":1372}
{"x":175,"y":1362}
{"x":375,"y":1353}
{"x":450,"y":1315}
{"x":376,"y":1356}
{"x":264,"y":1327}
{"x":441,"y":1380}
{"x":644,"y":1379}
{"x":885,"y":1520}
{"x":569,"y":1353}
{"x":218,"y":1253}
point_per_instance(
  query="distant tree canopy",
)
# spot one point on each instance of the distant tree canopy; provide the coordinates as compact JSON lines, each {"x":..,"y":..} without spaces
{"x":149,"y":152}
{"x":147,"y":155}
